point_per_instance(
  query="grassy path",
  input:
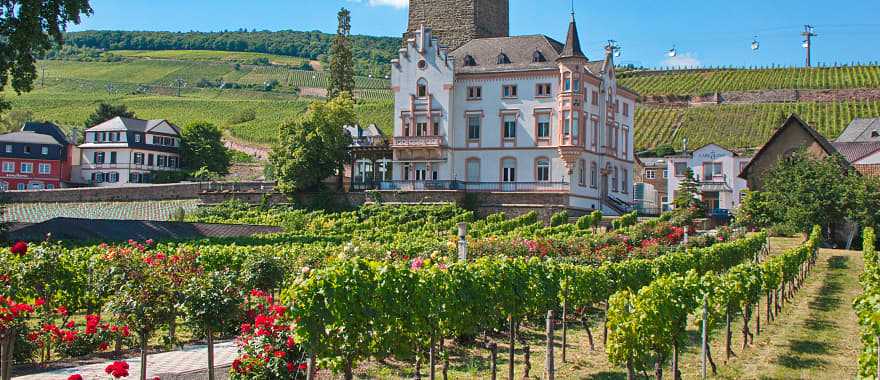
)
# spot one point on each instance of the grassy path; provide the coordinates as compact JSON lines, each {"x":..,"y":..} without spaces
{"x":815,"y":337}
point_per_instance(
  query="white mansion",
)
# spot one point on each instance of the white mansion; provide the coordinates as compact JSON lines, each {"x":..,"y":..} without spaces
{"x":513,"y":114}
{"x":122,"y":150}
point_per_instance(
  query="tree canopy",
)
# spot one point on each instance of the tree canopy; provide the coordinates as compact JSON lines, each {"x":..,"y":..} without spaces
{"x":202,"y":147}
{"x":27,"y":30}
{"x":801,"y":191}
{"x":314,"y":147}
{"x":106,"y":111}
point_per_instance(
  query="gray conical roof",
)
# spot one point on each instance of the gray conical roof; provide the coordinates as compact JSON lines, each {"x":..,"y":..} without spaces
{"x":572,"y":42}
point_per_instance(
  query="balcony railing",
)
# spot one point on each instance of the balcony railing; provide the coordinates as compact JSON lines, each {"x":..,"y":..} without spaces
{"x":471,"y":187}
{"x":415,"y":141}
{"x":369,"y":141}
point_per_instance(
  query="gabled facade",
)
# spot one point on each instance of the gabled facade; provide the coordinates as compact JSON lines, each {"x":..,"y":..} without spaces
{"x":35,"y":158}
{"x":717,"y":171}
{"x":513,"y":114}
{"x":123,"y":150}
{"x":794,"y":134}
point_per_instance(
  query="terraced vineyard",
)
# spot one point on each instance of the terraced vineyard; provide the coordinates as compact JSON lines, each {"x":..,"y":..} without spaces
{"x":741,"y":125}
{"x":699,"y":82}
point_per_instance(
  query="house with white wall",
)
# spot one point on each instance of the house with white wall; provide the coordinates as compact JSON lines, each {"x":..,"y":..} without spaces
{"x":123,"y":150}
{"x":513,"y":114}
{"x":717,"y":171}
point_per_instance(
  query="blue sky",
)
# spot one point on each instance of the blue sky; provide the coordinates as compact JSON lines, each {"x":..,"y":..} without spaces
{"x":707,"y":33}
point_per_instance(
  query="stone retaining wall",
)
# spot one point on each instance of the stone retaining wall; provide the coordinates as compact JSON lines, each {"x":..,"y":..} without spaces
{"x":768,"y":96}
{"x":187,"y":190}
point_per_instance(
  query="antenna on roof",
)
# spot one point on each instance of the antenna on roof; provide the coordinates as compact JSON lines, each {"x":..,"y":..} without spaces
{"x":572,"y":10}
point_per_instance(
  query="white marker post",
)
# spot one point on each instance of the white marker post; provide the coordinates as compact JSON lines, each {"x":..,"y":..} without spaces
{"x":462,"y":241}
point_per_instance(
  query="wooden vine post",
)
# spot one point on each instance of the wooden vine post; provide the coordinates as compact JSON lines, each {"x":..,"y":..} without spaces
{"x":432,"y":359}
{"x":512,"y":349}
{"x":878,"y":356}
{"x":311,"y":369}
{"x":549,"y":370}
{"x":705,"y":337}
{"x":493,"y":358}
{"x":462,"y":241}
{"x":564,"y":331}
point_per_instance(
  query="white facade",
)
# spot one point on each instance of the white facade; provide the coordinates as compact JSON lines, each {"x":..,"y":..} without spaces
{"x":717,"y":170}
{"x":536,"y":123}
{"x":122,"y":151}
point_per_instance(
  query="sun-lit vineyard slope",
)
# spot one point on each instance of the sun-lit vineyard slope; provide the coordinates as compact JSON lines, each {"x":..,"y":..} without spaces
{"x":751,"y":104}
{"x":741,"y":125}
{"x":705,"y":81}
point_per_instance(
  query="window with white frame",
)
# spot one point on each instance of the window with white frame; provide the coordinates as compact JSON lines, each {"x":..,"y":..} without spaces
{"x":45,"y":168}
{"x":44,"y":150}
{"x":474,"y":93}
{"x":138,"y":158}
{"x":8,"y":148}
{"x":508,"y":170}
{"x":509,"y":126}
{"x":594,"y":174}
{"x":595,"y":133}
{"x":8,"y":167}
{"x":98,"y":157}
{"x":422,"y":128}
{"x":712,"y":170}
{"x":474,"y":127}
{"x":566,"y":123}
{"x":542,"y":169}
{"x":624,"y":182}
{"x":472,"y":170}
{"x":575,"y":124}
{"x":680,"y":168}
{"x":21,"y":186}
{"x":422,"y":88}
{"x":614,"y":179}
{"x":650,"y":173}
{"x":582,"y":173}
{"x":27,"y":168}
{"x":543,"y":131}
{"x":509,"y":91}
{"x":542,"y":90}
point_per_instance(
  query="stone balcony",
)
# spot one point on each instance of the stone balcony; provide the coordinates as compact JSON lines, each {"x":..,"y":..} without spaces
{"x":417,"y":141}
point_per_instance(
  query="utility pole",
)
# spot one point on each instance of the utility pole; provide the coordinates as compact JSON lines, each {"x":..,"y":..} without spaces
{"x":808,"y":41}
{"x":180,"y":83}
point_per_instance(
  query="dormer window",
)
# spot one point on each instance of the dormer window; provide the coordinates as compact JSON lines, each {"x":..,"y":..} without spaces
{"x":503,"y":59}
{"x":422,"y":88}
{"x":469,"y":60}
{"x":875,"y":133}
{"x":537,"y":56}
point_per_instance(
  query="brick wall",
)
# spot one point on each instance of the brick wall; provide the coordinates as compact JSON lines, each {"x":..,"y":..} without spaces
{"x":455,"y":22}
{"x":106,"y":194}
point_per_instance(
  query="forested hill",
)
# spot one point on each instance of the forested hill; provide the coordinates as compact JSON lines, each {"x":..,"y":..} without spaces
{"x":372,"y":54}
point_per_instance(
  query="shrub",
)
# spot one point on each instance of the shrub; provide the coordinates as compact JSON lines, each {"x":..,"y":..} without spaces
{"x":585,"y":222}
{"x":559,"y":218}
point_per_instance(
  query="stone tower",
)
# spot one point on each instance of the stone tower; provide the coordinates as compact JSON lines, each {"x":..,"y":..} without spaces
{"x":455,"y":22}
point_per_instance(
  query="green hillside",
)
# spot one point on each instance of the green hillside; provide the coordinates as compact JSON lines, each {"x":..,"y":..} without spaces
{"x":699,"y":82}
{"x":253,"y":116}
{"x":741,"y":125}
{"x":213,"y":56}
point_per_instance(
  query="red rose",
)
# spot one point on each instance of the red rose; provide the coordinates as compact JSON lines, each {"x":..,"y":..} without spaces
{"x":289,"y":367}
{"x":280,"y":354}
{"x":39,"y":302}
{"x":19,"y":248}
{"x":291,"y":342}
{"x":75,"y":377}
{"x":61,"y":310}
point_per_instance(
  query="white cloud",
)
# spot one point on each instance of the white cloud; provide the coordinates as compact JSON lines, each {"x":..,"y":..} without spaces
{"x":397,"y":4}
{"x":682,"y":60}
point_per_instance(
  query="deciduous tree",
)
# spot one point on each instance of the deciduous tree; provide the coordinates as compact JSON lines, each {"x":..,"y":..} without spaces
{"x":27,"y":30}
{"x":106,"y":111}
{"x":202,"y":147}
{"x":314,"y":147}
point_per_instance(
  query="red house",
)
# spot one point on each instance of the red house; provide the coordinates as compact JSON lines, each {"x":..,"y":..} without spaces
{"x":37,"y":157}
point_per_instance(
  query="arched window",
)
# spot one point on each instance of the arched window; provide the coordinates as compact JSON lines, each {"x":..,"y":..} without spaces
{"x":537,"y":56}
{"x":614,"y":179}
{"x":469,"y":60}
{"x":472,"y":169}
{"x":508,"y":170}
{"x":542,"y":170}
{"x":503,"y":59}
{"x":422,"y":88}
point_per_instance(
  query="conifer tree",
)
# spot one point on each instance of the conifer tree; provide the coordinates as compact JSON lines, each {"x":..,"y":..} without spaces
{"x":341,"y":62}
